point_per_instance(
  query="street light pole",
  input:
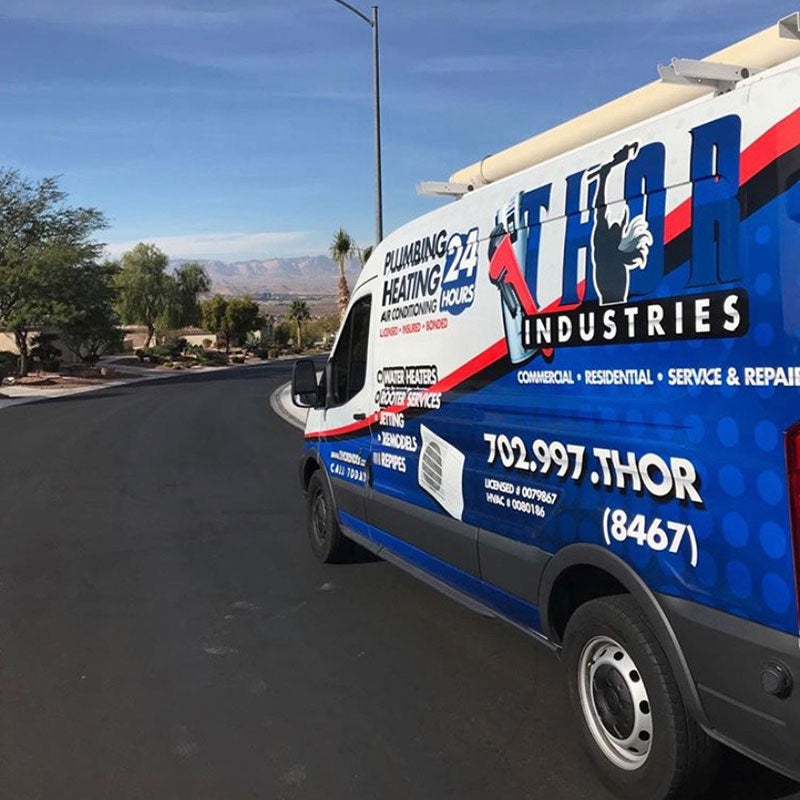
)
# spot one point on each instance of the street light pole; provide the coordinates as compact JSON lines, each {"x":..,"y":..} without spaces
{"x":373,"y":23}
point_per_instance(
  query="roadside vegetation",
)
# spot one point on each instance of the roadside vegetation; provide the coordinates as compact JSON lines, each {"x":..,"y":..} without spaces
{"x":342,"y":248}
{"x":50,"y":273}
{"x":59,"y":296}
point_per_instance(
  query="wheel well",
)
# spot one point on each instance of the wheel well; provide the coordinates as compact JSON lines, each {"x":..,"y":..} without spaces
{"x":574,"y":587}
{"x":309,"y":469}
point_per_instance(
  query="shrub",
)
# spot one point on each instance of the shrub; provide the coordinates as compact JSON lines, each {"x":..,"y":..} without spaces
{"x":211,"y":358}
{"x":171,"y":343}
{"x":252,"y":343}
{"x":45,"y":352}
{"x":160,"y":354}
{"x":165,"y":352}
{"x":150,"y":355}
{"x":9,"y":363}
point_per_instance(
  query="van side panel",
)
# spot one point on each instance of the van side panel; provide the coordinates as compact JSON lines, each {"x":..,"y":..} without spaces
{"x":601,"y":355}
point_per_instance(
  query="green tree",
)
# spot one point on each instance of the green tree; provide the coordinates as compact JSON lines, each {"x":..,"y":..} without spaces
{"x":146,"y":294}
{"x":342,"y":247}
{"x":281,"y":334}
{"x":321,"y":328}
{"x":233,"y":317}
{"x":89,"y":325}
{"x":298,"y":311}
{"x":43,"y":350}
{"x":241,"y":316}
{"x":192,"y":281}
{"x":28,"y":288}
{"x":364,"y":254}
{"x":41,"y":239}
{"x":212,"y":314}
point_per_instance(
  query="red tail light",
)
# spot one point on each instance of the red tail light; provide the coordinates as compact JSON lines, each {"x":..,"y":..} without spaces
{"x":793,"y":484}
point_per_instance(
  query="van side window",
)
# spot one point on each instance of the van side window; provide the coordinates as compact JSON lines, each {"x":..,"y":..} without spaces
{"x":349,"y":360}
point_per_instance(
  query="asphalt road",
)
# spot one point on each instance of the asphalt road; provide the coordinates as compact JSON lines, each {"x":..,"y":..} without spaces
{"x":165,"y":632}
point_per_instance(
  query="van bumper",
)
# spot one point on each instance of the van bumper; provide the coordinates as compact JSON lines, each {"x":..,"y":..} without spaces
{"x":731,"y":659}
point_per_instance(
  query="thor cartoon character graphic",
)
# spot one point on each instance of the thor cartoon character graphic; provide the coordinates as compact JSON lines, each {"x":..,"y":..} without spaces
{"x":618,"y":246}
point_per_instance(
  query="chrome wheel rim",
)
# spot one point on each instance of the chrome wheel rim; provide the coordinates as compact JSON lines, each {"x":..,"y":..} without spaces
{"x":614,"y":703}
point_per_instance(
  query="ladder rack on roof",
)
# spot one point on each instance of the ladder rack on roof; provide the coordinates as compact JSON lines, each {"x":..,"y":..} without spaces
{"x":712,"y":74}
{"x":681,"y":81}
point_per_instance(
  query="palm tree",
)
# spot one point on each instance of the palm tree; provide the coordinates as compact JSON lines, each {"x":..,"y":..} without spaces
{"x":342,"y":247}
{"x":364,"y":254}
{"x":298,"y":311}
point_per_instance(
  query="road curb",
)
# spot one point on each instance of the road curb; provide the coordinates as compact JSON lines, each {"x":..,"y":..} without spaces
{"x":57,"y":394}
{"x":280,"y":400}
{"x":35,"y":396}
{"x":281,"y":403}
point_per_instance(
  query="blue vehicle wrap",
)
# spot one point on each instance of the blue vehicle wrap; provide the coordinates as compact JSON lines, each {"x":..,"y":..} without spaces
{"x":600,"y":355}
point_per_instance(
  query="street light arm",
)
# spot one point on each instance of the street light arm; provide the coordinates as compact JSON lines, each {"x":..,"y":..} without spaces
{"x":373,"y":23}
{"x":355,"y":11}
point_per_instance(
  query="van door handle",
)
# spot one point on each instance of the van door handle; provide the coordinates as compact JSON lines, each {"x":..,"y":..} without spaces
{"x":368,"y":470}
{"x":359,"y":415}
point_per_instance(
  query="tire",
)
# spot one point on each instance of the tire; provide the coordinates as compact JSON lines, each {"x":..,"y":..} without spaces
{"x":629,"y":706}
{"x":328,"y":543}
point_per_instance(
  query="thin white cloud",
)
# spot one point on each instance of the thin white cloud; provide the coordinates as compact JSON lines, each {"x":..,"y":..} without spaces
{"x":485,"y":63}
{"x":224,"y":246}
{"x":90,"y":89}
{"x":540,"y":15}
{"x":91,"y":12}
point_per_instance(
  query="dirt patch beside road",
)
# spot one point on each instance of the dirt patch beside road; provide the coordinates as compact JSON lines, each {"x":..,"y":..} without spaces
{"x":77,"y":376}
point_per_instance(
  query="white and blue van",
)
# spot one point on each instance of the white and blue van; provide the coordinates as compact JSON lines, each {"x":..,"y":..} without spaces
{"x":572,"y":398}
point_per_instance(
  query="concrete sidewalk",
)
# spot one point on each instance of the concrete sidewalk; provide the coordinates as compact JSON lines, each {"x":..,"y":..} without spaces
{"x":17,"y":395}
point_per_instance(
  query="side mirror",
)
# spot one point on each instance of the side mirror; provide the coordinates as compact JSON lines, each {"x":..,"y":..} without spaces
{"x":305,"y":391}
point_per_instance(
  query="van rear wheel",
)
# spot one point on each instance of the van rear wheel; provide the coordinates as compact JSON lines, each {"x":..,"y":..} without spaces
{"x":328,"y":543}
{"x":632,"y":717}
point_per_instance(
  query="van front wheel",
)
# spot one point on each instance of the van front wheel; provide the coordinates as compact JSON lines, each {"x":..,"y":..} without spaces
{"x":328,"y":543}
{"x":630,"y":709}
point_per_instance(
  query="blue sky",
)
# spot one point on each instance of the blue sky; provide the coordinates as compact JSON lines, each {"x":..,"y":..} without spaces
{"x":237,"y":129}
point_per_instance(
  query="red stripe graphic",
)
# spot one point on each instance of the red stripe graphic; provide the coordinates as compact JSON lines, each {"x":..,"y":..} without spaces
{"x":485,"y":359}
{"x":677,"y":221}
{"x":770,"y":146}
{"x":355,"y":427}
{"x":472,"y":367}
{"x":776,"y":142}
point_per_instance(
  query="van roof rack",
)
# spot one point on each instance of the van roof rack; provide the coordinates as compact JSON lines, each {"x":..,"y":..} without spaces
{"x":443,"y":188}
{"x":719,"y":77}
{"x":681,"y":81}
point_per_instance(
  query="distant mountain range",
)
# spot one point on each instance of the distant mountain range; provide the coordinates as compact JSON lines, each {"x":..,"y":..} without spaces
{"x":307,"y":275}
